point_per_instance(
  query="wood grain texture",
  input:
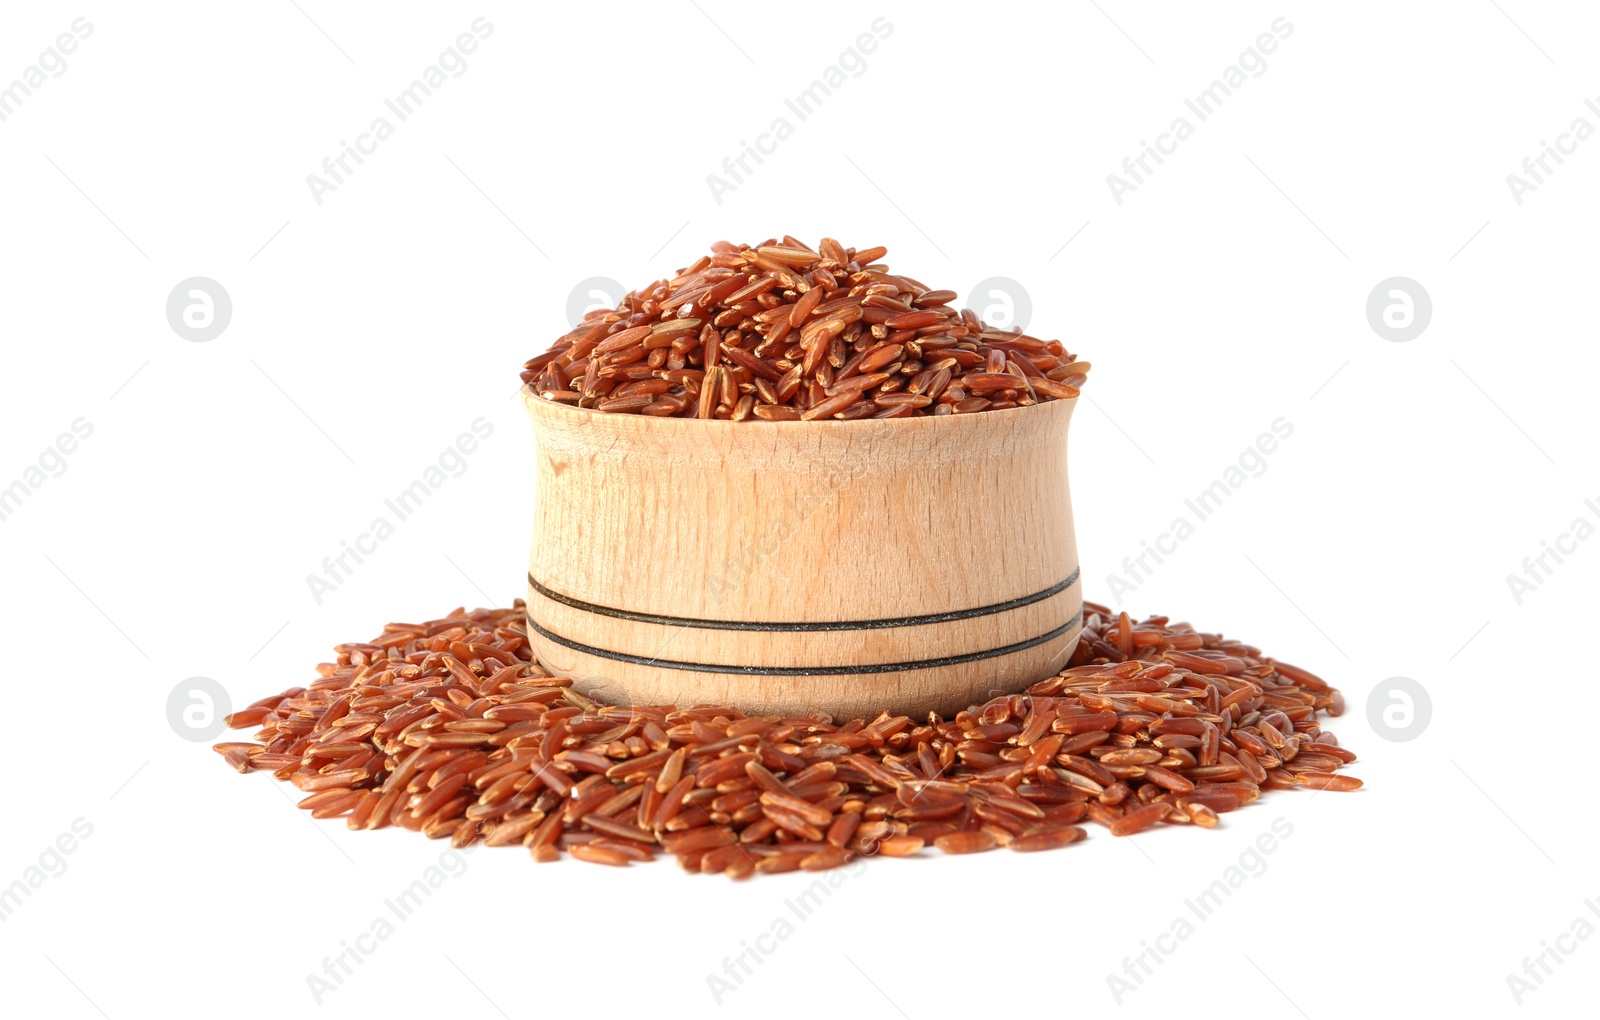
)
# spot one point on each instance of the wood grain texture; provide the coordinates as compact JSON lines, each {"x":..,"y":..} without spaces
{"x":818,"y":524}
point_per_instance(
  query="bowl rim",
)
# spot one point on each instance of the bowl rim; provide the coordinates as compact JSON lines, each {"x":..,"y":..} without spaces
{"x":531,"y":398}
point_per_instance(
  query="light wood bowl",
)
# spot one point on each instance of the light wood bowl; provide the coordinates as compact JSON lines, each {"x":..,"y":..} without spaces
{"x":786,"y":568}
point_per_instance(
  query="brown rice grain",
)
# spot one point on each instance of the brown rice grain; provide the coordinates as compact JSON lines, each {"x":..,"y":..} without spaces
{"x":1148,"y":723}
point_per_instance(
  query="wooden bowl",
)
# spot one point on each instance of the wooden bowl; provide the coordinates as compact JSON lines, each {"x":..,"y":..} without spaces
{"x":786,"y":568}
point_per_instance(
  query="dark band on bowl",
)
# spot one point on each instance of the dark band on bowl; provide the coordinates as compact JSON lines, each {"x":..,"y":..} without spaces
{"x":847,"y":670}
{"x":883,"y":624}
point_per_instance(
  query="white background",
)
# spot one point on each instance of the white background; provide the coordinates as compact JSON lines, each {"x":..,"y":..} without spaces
{"x":1225,"y":292}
